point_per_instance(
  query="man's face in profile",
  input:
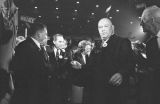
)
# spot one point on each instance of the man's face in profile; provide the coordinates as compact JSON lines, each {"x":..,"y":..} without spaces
{"x":149,"y":20}
{"x":43,"y":36}
{"x":146,"y":25}
{"x":105,"y":28}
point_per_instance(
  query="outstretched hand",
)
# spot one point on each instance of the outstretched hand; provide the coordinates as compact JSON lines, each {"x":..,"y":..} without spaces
{"x":76,"y":65}
{"x":116,"y":79}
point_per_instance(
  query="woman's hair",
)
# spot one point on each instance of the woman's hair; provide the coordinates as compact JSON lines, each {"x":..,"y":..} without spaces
{"x":82,"y":44}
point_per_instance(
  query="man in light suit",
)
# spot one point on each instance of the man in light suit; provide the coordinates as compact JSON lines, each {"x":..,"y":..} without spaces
{"x":112,"y":67}
{"x":31,"y":68}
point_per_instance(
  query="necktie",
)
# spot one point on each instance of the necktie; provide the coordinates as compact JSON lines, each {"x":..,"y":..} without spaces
{"x":44,"y":53}
{"x":87,"y":57}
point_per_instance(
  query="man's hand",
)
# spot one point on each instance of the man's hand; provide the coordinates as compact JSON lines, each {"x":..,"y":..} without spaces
{"x":116,"y":79}
{"x":76,"y":65}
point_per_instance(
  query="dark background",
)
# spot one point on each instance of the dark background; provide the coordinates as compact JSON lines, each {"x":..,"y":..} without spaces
{"x":125,"y":15}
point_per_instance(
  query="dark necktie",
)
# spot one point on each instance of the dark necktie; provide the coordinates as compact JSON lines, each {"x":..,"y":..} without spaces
{"x":87,"y":57}
{"x":57,"y":54}
{"x":44,"y":53}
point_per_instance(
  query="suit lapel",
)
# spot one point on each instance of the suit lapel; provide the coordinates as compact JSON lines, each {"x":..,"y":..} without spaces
{"x":35,"y":48}
{"x":33,"y":44}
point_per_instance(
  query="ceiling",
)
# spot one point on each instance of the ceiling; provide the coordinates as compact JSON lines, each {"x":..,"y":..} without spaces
{"x":79,"y":17}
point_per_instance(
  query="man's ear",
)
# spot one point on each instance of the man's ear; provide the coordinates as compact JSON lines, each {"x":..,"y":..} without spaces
{"x":53,"y":42}
{"x":112,"y":29}
{"x":37,"y":35}
{"x":156,"y":21}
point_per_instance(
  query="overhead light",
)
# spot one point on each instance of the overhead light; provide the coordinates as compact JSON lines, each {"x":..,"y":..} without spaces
{"x":35,"y":7}
{"x":141,"y":5}
{"x":108,"y":9}
{"x":131,"y":22}
{"x":97,"y":6}
{"x":76,"y":10}
{"x":77,"y":2}
{"x":117,"y":10}
{"x":92,"y":13}
{"x":57,"y":17}
{"x":110,"y":17}
{"x":39,"y":16}
{"x":57,"y":8}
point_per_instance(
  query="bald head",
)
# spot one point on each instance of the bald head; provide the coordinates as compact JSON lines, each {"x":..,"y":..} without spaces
{"x":105,"y":20}
{"x":105,"y":28}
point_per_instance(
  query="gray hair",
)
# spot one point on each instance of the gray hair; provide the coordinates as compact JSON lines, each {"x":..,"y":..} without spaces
{"x":151,"y":12}
{"x":57,"y":35}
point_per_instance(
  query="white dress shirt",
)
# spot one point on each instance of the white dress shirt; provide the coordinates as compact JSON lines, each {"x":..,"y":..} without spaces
{"x":158,"y":39}
{"x":55,"y":51}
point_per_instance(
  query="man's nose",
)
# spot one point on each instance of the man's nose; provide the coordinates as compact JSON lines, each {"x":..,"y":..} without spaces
{"x":103,"y":30}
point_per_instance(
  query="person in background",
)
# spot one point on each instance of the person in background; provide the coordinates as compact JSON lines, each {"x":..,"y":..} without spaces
{"x":81,"y":72}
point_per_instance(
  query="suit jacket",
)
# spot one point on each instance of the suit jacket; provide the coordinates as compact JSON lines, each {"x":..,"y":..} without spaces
{"x":82,"y":77}
{"x":115,"y":58}
{"x":31,"y":71}
{"x":60,"y":77}
{"x":153,"y":54}
{"x":153,"y":63}
{"x":60,"y":66}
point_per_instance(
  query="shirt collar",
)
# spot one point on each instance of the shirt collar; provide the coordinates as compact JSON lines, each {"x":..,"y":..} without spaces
{"x":158,"y":34}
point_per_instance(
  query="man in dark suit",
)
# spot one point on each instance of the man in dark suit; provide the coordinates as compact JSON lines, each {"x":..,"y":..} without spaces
{"x":60,"y":83}
{"x":150,"y":22}
{"x":111,"y":70}
{"x":31,"y":68}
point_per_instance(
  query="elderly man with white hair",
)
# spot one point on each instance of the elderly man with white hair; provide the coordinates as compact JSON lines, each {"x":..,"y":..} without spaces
{"x":150,"y":22}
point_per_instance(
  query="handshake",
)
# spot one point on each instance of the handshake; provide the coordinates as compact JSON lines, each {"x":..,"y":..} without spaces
{"x":76,"y":64}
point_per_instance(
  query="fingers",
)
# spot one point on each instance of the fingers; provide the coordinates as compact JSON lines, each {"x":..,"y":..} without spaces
{"x":76,"y":65}
{"x":116,"y":79}
{"x":117,"y":83}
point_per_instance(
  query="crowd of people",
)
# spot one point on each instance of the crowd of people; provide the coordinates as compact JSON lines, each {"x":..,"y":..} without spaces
{"x":85,"y":73}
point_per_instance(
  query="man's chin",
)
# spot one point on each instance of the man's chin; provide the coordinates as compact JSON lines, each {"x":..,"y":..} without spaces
{"x":104,"y":38}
